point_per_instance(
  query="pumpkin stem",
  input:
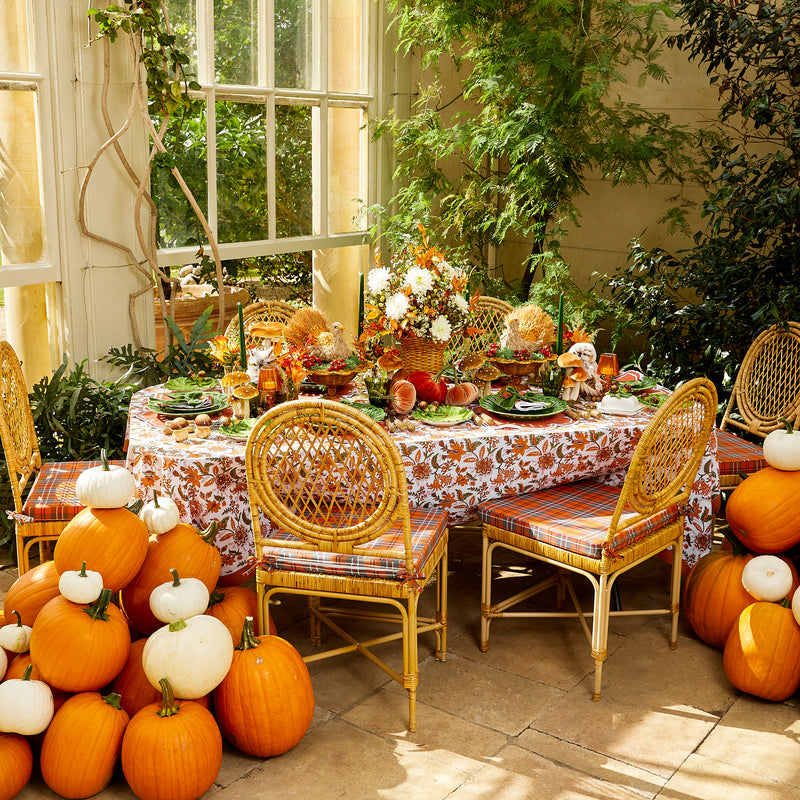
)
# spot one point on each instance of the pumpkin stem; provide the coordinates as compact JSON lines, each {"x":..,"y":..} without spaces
{"x":136,"y":506}
{"x":104,"y":460}
{"x":736,"y":545}
{"x":28,"y":670}
{"x":785,"y":603}
{"x":113,"y":699}
{"x":155,"y":499}
{"x":19,"y":618}
{"x":786,"y":424}
{"x":178,"y":625}
{"x":176,"y":581}
{"x":249,"y":639}
{"x":82,"y":570}
{"x":210,"y":533}
{"x":169,"y":706}
{"x":215,"y":597}
{"x":98,"y":610}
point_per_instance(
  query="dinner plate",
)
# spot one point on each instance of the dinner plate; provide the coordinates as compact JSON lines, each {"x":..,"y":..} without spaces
{"x":179,"y":408}
{"x":239,"y":429}
{"x":641,"y":385}
{"x":184,"y":383}
{"x":554,"y":406}
{"x":443,"y":416}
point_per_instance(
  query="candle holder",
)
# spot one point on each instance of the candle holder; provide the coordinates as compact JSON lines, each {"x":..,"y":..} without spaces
{"x":608,"y":369}
{"x":268,"y":386}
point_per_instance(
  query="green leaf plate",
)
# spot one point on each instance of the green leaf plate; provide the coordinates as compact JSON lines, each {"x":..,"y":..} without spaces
{"x":188,"y":406}
{"x":642,"y":385}
{"x":184,"y":383}
{"x":555,"y":406}
{"x":443,"y":416}
{"x":239,"y":429}
{"x":373,"y":412}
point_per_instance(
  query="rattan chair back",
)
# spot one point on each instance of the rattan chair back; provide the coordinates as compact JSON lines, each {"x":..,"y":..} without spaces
{"x":767,"y":386}
{"x":262,"y":311}
{"x":489,"y":318}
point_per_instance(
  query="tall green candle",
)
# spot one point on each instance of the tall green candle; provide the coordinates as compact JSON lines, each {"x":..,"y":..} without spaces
{"x":560,"y":343}
{"x":360,"y":303}
{"x":242,"y":348}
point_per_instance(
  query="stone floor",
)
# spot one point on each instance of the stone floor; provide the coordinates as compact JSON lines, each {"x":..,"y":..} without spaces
{"x":517,"y":722}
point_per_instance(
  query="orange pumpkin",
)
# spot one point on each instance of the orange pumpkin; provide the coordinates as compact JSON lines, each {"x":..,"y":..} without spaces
{"x":191,"y":552}
{"x":16,"y":764}
{"x":265,"y":703}
{"x":98,"y":722}
{"x":403,"y":396}
{"x":112,"y":541}
{"x":132,"y":684}
{"x":171,"y":751}
{"x":764,"y":510}
{"x":30,"y":592}
{"x":231,"y":605}
{"x":762,"y":652}
{"x":462,"y":394}
{"x":80,"y":648}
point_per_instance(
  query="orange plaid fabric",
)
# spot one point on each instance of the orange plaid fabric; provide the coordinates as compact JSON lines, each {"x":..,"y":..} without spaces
{"x":572,"y":516}
{"x":736,"y":455}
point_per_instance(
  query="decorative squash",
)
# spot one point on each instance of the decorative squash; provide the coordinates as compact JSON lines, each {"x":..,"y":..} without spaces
{"x":265,"y":703}
{"x":403,"y":397}
{"x":764,"y":510}
{"x":97,"y":722}
{"x":762,"y":652}
{"x":160,"y":515}
{"x":3,"y":663}
{"x":30,"y":592}
{"x":81,"y":586}
{"x":132,"y":684}
{"x":462,"y":394}
{"x":106,"y":486}
{"x":782,"y":448}
{"x":767,"y":578}
{"x":26,"y":705}
{"x":15,"y":637}
{"x":171,"y":751}
{"x":184,"y":548}
{"x":17,"y":667}
{"x":179,"y":599}
{"x":193,"y":655}
{"x":16,"y":764}
{"x":112,"y":541}
{"x":80,"y":648}
{"x":231,"y":605}
{"x":430,"y":388}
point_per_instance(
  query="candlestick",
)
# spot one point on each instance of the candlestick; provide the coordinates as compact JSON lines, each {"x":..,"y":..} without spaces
{"x":360,"y":304}
{"x":242,"y":348}
{"x":560,"y":344}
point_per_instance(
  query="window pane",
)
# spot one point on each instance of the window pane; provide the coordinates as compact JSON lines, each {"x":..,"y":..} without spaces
{"x":183,"y":19}
{"x":293,"y":44}
{"x":345,"y":141}
{"x":236,"y":47}
{"x":293,"y":203}
{"x":241,"y":172}
{"x":344,"y":46}
{"x":15,"y":53}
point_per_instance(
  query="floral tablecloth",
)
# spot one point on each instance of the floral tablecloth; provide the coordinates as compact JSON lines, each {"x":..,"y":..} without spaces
{"x":454,"y":468}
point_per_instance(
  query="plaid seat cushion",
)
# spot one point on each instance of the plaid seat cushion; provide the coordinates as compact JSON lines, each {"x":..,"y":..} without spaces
{"x":572,"y":516}
{"x":427,"y":529}
{"x":52,"y":496}
{"x":737,"y":455}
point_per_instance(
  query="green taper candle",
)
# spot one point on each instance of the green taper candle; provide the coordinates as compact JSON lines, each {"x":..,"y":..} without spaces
{"x":242,"y":348}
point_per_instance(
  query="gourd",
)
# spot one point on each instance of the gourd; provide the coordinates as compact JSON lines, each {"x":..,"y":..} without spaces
{"x":462,"y":394}
{"x":80,"y":648}
{"x":192,"y":654}
{"x":98,"y":723}
{"x":403,"y":397}
{"x":3,"y":663}
{"x":80,"y":586}
{"x":30,"y":592}
{"x":132,"y":684}
{"x":265,"y":703}
{"x":767,"y":578}
{"x":106,"y":486}
{"x":15,"y":637}
{"x":231,"y":605}
{"x":430,"y":388}
{"x":179,"y":599}
{"x":782,"y":448}
{"x":171,"y":751}
{"x":16,"y":764}
{"x":160,"y":514}
{"x":26,"y":706}
{"x":762,"y":652}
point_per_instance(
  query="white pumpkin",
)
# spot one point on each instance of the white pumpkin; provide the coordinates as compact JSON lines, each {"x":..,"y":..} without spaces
{"x":26,"y":706}
{"x":782,"y":448}
{"x":194,"y":655}
{"x":179,"y":598}
{"x":767,"y":578}
{"x":3,"y":663}
{"x":80,"y":586}
{"x":160,"y":514}
{"x":796,"y":604}
{"x":106,"y":486}
{"x":15,"y":637}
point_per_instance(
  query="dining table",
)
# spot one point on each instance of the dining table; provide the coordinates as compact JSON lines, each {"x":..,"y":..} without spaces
{"x":453,"y":468}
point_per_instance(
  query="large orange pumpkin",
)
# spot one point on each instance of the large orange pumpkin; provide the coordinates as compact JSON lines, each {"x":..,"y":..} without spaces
{"x":762,"y":652}
{"x":29,"y":593}
{"x":112,"y":541}
{"x":132,"y":684}
{"x":265,"y":703}
{"x":764,"y":510}
{"x":231,"y":605}
{"x":16,"y":764}
{"x":97,"y":722}
{"x":191,"y":552}
{"x":171,"y":751}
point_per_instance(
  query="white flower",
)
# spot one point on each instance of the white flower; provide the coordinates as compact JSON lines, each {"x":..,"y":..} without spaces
{"x":397,"y":306}
{"x":420,"y":280}
{"x":378,"y":280}
{"x":441,"y":329}
{"x":461,"y":303}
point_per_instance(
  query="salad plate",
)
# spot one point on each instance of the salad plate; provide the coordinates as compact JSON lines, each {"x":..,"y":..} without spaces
{"x":523,"y":408}
{"x":184,"y":383}
{"x":188,"y":404}
{"x":642,"y":385}
{"x":239,"y":429}
{"x":443,"y":416}
{"x":373,"y":412}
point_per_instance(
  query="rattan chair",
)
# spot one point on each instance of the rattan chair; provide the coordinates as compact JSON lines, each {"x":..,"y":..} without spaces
{"x":601,"y":531}
{"x":489,"y":317}
{"x":331,"y":520}
{"x":50,"y":504}
{"x":767,"y":388}
{"x":262,"y":311}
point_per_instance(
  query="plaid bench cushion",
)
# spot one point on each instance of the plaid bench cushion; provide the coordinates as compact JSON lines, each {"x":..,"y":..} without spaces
{"x":736,"y":455}
{"x":52,"y":496}
{"x":427,"y":529}
{"x":572,"y":516}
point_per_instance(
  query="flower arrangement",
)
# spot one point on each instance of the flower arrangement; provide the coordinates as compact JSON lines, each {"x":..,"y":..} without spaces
{"x":220,"y":350}
{"x":418,"y":295}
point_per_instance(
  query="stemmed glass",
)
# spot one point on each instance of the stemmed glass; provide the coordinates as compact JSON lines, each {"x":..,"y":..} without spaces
{"x":608,"y":369}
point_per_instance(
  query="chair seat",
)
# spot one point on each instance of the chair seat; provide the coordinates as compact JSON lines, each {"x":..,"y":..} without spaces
{"x":573,"y":517}
{"x":736,"y":455}
{"x":427,"y":529}
{"x":52,"y":496}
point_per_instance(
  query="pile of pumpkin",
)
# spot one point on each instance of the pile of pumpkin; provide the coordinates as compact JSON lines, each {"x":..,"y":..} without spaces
{"x":744,"y":598}
{"x":153,"y":683}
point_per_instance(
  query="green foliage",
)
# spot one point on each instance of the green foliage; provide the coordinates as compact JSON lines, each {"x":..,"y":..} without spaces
{"x":702,"y":307}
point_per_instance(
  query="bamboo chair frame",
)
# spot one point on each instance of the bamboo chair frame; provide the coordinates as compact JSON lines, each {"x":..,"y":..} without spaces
{"x":660,"y":476}
{"x":262,"y":311}
{"x":490,"y":314}
{"x":331,"y":477}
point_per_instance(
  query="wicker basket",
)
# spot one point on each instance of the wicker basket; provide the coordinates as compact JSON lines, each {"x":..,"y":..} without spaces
{"x":422,"y":354}
{"x":332,"y":379}
{"x":516,"y":368}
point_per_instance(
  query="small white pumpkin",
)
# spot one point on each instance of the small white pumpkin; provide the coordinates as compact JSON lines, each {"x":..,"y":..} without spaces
{"x":767,"y":578}
{"x":160,"y":514}
{"x":3,"y":663}
{"x":106,"y":486}
{"x":179,"y":599}
{"x":194,"y":655}
{"x":26,"y":706}
{"x":15,"y":637}
{"x":80,"y":586}
{"x":782,"y":448}
{"x":796,"y":604}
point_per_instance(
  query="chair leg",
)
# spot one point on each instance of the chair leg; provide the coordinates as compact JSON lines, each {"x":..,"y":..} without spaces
{"x":441,"y":609}
{"x":602,"y":603}
{"x":675,"y":590}
{"x":314,"y":624}
{"x":411,"y":661}
{"x":486,"y":593}
{"x":23,"y":564}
